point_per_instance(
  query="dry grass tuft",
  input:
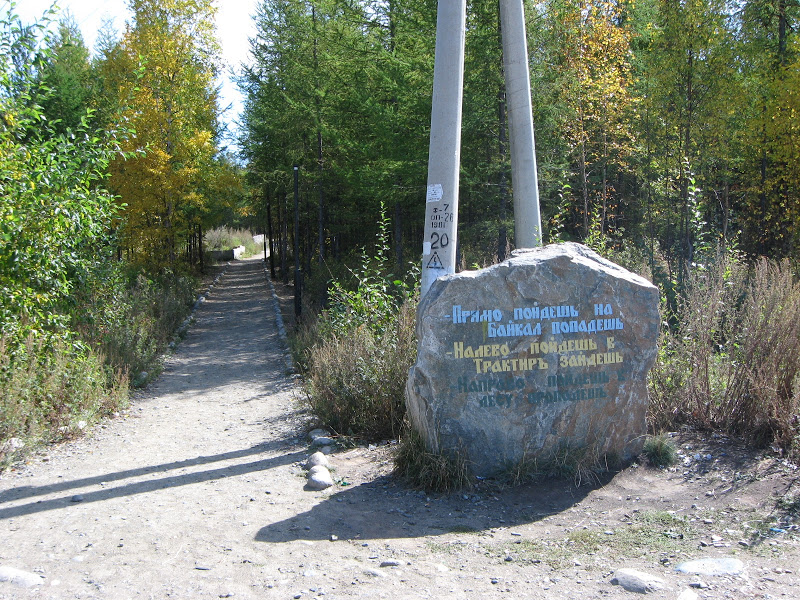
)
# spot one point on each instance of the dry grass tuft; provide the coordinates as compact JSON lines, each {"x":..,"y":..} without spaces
{"x":427,"y":470}
{"x":732,"y":361}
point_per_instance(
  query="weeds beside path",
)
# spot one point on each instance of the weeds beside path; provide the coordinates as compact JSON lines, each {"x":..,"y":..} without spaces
{"x":142,"y":504}
{"x":198,"y":493}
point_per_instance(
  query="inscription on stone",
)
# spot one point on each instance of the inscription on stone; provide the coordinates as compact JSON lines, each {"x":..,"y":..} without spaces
{"x":549,"y":347}
{"x":593,"y":349}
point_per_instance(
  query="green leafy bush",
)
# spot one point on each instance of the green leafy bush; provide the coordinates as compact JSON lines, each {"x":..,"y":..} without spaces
{"x":131,"y":322}
{"x":73,"y":324}
{"x":356,"y":379}
{"x":55,"y":214}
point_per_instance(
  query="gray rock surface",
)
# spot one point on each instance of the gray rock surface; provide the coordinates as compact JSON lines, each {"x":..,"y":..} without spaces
{"x":390,"y":563}
{"x":637,"y":581}
{"x":549,"y":348}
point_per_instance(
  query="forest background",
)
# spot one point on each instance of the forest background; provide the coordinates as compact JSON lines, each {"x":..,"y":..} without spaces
{"x":667,"y":139}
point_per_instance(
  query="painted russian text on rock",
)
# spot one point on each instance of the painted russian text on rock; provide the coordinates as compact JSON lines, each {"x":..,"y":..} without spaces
{"x":549,"y":348}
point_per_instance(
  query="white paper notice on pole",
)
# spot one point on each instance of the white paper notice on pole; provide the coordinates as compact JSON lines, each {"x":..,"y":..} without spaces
{"x":435,"y":192}
{"x":426,"y":248}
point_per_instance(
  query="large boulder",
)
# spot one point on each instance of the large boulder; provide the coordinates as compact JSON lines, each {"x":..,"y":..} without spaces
{"x":550,"y":348}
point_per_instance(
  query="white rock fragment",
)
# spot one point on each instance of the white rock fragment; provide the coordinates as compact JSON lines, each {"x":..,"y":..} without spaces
{"x":374,"y":573}
{"x":632,"y":580}
{"x":315,"y":433}
{"x":712,"y":566}
{"x":20,"y":577}
{"x":11,"y":445}
{"x":317,"y":459}
{"x":319,"y":478}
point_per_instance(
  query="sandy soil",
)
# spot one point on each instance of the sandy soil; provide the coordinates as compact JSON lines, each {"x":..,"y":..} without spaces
{"x":197,"y":491}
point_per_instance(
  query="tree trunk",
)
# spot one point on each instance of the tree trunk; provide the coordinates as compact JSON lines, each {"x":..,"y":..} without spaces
{"x":398,"y":236}
{"x":320,"y":159}
{"x":284,"y":221}
{"x":271,"y":237}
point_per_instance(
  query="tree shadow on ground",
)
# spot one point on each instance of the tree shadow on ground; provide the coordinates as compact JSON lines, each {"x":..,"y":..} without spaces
{"x":385,"y":508}
{"x":141,"y":487}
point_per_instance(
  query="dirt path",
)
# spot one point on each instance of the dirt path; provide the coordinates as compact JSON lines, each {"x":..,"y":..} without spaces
{"x":197,"y":492}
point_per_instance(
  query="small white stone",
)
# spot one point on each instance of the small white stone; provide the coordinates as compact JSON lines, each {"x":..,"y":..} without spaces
{"x":374,"y":573}
{"x":317,"y":459}
{"x":319,"y":478}
{"x":315,"y":433}
{"x":12,"y":444}
{"x":20,"y":577}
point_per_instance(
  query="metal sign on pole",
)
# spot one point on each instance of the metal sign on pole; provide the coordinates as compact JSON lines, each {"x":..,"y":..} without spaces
{"x":444,"y":156}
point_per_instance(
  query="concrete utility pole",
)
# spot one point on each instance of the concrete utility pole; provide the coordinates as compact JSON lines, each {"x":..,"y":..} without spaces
{"x":527,"y":220}
{"x":444,"y":158}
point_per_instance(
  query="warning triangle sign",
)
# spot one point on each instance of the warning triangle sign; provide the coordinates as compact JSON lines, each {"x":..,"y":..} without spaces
{"x":435,"y":262}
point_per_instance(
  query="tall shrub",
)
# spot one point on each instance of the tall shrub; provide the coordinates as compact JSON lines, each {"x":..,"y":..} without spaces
{"x":55,"y":214}
{"x":733,"y":359}
{"x":364,"y":344}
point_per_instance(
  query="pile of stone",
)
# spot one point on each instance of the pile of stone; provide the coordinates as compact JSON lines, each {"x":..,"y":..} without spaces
{"x":317,"y":465}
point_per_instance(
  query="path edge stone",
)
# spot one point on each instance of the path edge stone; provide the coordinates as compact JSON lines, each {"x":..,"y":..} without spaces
{"x":276,"y":305}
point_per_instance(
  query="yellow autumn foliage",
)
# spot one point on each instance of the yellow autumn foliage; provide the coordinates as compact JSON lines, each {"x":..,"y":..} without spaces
{"x":164,"y":77}
{"x":596,"y":70}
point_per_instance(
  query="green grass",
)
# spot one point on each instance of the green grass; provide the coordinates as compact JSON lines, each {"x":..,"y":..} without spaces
{"x":652,"y":533}
{"x":660,"y":450}
{"x":51,"y":392}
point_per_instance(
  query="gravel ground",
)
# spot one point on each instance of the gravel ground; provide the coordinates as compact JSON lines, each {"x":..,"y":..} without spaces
{"x":197,"y":491}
